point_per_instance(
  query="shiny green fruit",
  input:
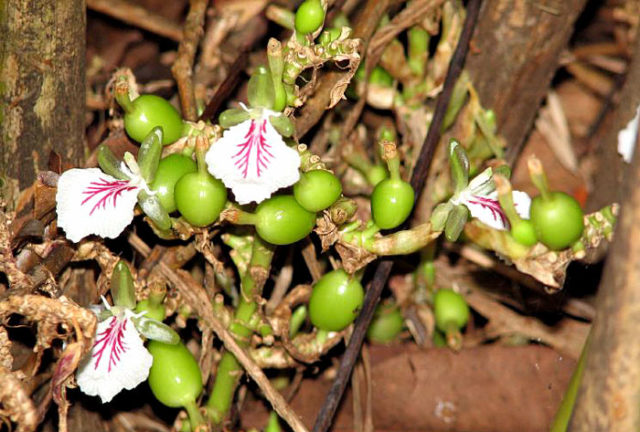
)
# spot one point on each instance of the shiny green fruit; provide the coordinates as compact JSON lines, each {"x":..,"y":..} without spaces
{"x":150,"y":111}
{"x":449,"y":309}
{"x":170,"y":170}
{"x":386,"y":325}
{"x":200,"y":198}
{"x":335,"y":301}
{"x":524,"y":233}
{"x":174,"y":377}
{"x":281,"y":220}
{"x":309,"y":16}
{"x":558,"y":220}
{"x":317,"y":190}
{"x":391,"y":203}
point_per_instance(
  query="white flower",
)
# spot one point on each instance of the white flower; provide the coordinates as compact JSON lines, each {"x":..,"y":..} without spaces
{"x":627,"y":137}
{"x":253,"y":160}
{"x":118,"y":359}
{"x":92,"y":202}
{"x":481,"y":198}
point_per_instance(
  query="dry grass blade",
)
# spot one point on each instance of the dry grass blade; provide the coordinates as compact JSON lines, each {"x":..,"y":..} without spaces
{"x":552,"y":124}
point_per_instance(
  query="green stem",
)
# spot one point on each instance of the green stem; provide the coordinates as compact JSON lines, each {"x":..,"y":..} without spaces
{"x":195,"y":418}
{"x":201,"y":151}
{"x":390,"y":155}
{"x":122,"y":97}
{"x":297,"y":319}
{"x":321,"y":337}
{"x":538,"y":177}
{"x":229,"y":370}
{"x":563,"y":416}
{"x":276,"y":65}
{"x":404,"y":242}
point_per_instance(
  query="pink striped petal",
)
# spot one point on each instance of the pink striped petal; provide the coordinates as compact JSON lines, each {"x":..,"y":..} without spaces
{"x":487,"y":209}
{"x":92,"y":202}
{"x":253,"y":160}
{"x":118,"y":359}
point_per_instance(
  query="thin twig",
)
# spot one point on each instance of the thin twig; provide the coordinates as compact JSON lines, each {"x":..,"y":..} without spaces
{"x":138,"y":16}
{"x":182,"y":68}
{"x":418,"y":178}
{"x":195,"y":296}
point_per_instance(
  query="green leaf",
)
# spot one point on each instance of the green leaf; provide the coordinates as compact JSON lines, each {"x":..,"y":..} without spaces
{"x":456,"y":221}
{"x":155,"y":330}
{"x":459,"y":164}
{"x":110,"y":164}
{"x":150,"y":153}
{"x":122,"y":289}
{"x":152,"y":207}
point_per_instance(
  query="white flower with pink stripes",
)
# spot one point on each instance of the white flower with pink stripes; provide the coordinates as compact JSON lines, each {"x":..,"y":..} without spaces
{"x":88,"y":201}
{"x":252,"y":159}
{"x":118,"y":359}
{"x":481,"y":198}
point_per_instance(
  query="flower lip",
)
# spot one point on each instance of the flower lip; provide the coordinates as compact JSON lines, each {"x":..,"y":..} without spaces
{"x":481,"y":198}
{"x":252,"y":159}
{"x":88,"y":201}
{"x":118,"y":358}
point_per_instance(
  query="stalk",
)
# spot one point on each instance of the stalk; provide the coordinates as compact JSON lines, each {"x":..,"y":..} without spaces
{"x":229,"y":370}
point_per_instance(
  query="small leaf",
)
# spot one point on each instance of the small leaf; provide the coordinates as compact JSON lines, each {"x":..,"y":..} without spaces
{"x":456,"y":221}
{"x":150,"y":153}
{"x":232,"y":117}
{"x":110,"y":164}
{"x":459,"y":163}
{"x":152,"y":207}
{"x":122,"y":289}
{"x":155,"y":330}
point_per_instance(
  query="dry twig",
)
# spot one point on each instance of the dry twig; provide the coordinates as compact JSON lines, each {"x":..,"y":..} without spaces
{"x":182,"y":68}
{"x":137,"y":16}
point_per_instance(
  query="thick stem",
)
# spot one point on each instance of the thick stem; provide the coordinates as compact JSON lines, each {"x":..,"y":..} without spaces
{"x":229,"y":370}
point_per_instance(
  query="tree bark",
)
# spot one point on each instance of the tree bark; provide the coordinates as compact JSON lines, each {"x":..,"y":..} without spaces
{"x":513,"y":58}
{"x":609,"y":395}
{"x":42,"y":89}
